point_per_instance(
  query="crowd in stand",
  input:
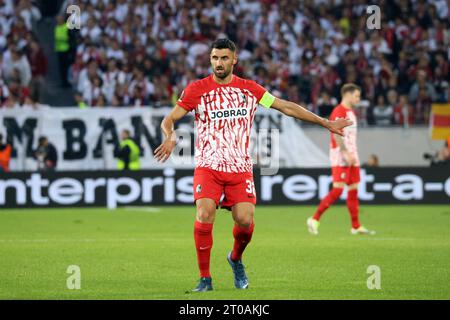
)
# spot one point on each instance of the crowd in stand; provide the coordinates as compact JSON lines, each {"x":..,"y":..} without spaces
{"x":23,"y":64}
{"x":144,"y":52}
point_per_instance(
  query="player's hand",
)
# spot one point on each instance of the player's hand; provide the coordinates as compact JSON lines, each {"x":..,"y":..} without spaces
{"x":338,"y":125}
{"x":349,"y":159}
{"x":163,"y":152}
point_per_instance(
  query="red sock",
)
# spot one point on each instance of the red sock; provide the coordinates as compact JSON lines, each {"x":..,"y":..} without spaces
{"x":326,"y":202}
{"x":203,"y":244}
{"x":242,"y":237}
{"x":353,"y":207}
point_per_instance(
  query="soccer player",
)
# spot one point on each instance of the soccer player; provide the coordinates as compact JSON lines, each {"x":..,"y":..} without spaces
{"x":344,"y":163}
{"x":224,"y":106}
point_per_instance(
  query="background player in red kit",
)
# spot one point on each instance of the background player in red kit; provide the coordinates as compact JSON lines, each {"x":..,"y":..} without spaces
{"x":344,"y":163}
{"x":225,"y":106}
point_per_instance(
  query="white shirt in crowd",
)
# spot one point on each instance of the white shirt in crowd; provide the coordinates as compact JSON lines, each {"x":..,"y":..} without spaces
{"x":21,"y":65}
{"x":30,"y":15}
{"x":173,"y":46}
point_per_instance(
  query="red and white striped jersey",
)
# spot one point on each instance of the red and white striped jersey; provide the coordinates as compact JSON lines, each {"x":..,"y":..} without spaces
{"x":350,"y":132}
{"x":224,"y":115}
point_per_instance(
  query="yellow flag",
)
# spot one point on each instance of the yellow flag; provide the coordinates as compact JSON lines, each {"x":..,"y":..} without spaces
{"x":440,"y":121}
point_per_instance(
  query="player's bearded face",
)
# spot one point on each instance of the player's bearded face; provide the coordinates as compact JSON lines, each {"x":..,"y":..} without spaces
{"x":222,"y":62}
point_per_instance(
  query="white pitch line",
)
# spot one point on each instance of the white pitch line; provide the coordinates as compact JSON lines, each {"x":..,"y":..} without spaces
{"x":145,"y":209}
{"x":369,"y":237}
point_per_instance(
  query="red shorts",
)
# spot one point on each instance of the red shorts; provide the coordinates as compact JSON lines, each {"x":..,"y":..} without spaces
{"x":237,"y":187}
{"x":348,"y":175}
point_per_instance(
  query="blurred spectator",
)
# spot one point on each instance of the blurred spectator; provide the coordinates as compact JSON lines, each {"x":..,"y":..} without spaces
{"x":30,"y":103}
{"x":444,"y":154}
{"x":79,"y":100}
{"x":28,"y":12}
{"x":111,"y":78}
{"x":17,"y":92}
{"x":4,"y":92}
{"x":46,"y":155}
{"x":392,"y":98}
{"x":38,"y":63}
{"x":12,"y":102}
{"x":372,"y":162}
{"x":325,"y":105}
{"x":423,"y":106}
{"x":92,"y":90}
{"x":85,"y":75}
{"x":62,"y":48}
{"x":404,"y":112}
{"x":128,"y":152}
{"x":101,"y":101}
{"x":16,"y":67}
{"x":382,"y":112}
{"x":116,"y":101}
{"x":5,"y":155}
{"x":441,"y":78}
{"x":421,"y":94}
{"x":441,"y":157}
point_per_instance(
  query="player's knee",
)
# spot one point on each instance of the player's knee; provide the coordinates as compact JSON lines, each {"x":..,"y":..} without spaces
{"x":339,"y":185}
{"x":205,"y":215}
{"x":244,"y":220}
{"x":244,"y":223}
{"x":353,"y":186}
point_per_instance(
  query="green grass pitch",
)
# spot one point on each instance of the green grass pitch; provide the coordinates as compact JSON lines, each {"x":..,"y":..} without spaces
{"x":148,"y":253}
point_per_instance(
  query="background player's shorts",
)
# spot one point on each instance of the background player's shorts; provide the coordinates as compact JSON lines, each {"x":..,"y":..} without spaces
{"x":348,"y":175}
{"x":237,"y":187}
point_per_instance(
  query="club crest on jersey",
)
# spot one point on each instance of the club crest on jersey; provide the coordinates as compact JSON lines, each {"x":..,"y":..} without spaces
{"x":228,"y":113}
{"x":198,"y":189}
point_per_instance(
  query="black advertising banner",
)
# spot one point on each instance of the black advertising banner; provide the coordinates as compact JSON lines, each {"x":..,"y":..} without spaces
{"x":377,"y":186}
{"x":169,"y":187}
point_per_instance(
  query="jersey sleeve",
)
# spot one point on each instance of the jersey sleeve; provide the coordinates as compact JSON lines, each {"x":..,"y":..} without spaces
{"x":264,"y":97}
{"x":338,"y":113}
{"x":188,"y":99}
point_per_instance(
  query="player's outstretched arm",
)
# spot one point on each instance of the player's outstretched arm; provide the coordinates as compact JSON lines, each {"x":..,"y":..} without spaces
{"x":162,"y":153}
{"x":294,"y":110}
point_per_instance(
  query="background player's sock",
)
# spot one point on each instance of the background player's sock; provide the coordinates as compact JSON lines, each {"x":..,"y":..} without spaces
{"x":203,"y":244}
{"x":326,"y":202}
{"x":242,"y":237}
{"x":353,"y":207}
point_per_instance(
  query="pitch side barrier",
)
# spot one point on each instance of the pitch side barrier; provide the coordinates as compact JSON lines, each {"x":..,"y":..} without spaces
{"x":174,"y":187}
